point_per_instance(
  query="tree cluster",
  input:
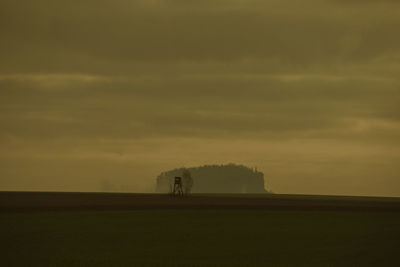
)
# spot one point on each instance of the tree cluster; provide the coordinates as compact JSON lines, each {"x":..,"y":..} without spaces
{"x":230,"y":178}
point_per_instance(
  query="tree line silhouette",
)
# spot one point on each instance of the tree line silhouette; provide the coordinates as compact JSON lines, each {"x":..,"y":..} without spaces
{"x":230,"y":178}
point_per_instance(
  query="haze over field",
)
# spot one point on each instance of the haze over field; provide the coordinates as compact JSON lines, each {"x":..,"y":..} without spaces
{"x":105,"y":95}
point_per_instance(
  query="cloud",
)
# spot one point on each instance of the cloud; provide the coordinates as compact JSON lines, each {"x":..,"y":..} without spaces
{"x":117,"y":37}
{"x":94,"y":83}
{"x":206,"y":105}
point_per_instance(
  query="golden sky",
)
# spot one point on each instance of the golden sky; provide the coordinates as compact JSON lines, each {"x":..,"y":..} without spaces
{"x":99,"y":95}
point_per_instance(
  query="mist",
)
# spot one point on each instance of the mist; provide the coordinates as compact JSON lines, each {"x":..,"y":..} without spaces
{"x":102,"y":96}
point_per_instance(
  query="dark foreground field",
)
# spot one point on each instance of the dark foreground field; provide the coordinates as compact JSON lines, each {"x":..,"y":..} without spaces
{"x":78,"y":229}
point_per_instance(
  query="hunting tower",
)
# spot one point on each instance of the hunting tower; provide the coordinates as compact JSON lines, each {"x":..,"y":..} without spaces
{"x":178,"y":190}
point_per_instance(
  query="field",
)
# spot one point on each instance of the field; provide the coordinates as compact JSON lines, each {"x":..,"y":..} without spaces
{"x":97,"y":229}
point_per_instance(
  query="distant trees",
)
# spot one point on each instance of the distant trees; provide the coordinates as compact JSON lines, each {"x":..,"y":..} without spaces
{"x":165,"y":181}
{"x":187,"y":181}
{"x":230,"y":178}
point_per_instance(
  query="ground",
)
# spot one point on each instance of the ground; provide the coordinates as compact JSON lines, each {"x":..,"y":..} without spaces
{"x":78,"y":229}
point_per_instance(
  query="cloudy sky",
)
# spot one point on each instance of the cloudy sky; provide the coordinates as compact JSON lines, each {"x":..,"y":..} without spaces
{"x":104,"y":95}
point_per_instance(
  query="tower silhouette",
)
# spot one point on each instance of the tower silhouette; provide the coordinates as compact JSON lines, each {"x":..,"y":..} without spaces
{"x":178,"y":190}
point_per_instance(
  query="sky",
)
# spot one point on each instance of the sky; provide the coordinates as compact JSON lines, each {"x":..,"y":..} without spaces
{"x":105,"y":95}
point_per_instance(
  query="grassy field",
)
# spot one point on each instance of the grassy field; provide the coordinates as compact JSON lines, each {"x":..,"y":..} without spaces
{"x":200,"y":237}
